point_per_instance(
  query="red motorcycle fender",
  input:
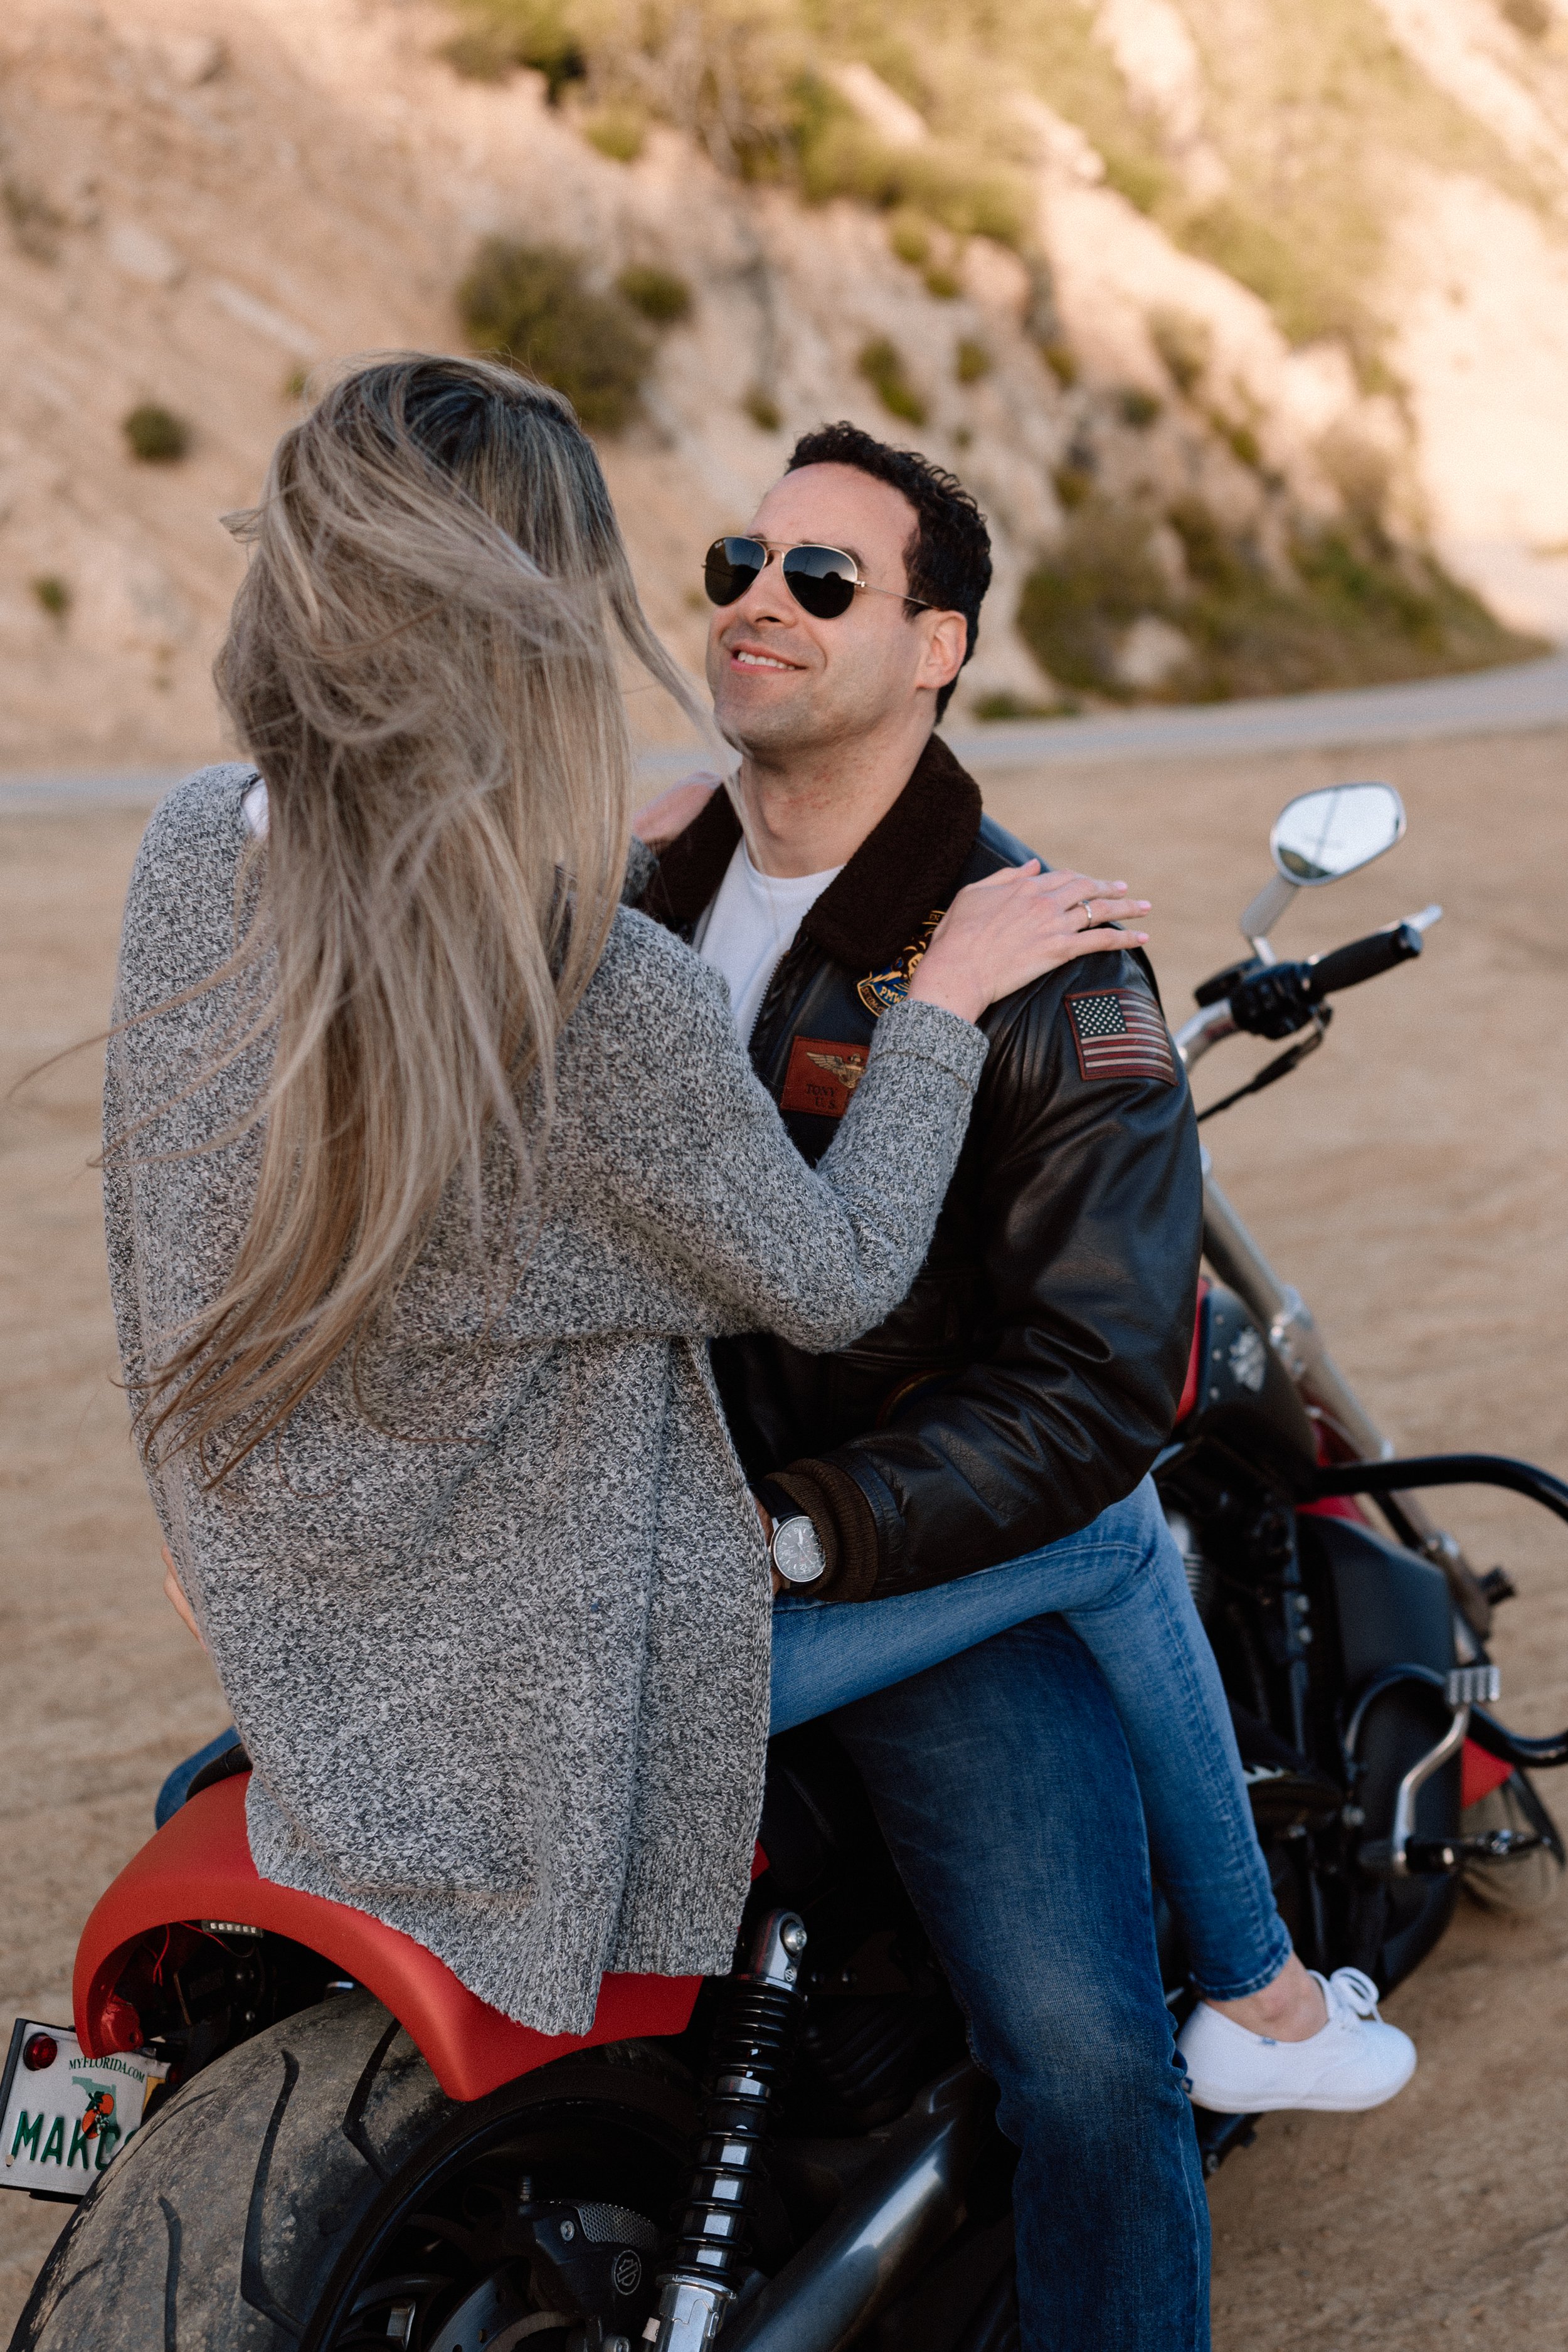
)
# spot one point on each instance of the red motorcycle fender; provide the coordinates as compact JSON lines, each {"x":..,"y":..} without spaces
{"x":198,"y":1866}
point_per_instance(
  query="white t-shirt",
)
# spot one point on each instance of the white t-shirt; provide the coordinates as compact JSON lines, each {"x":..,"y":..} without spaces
{"x":747,"y":926}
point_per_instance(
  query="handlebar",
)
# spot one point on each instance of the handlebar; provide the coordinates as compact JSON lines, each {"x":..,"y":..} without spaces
{"x":1347,"y":967}
{"x":1275,"y":1000}
{"x":1279,"y":1000}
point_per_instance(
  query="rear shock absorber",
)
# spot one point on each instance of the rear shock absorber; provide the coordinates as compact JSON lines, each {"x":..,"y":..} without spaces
{"x":753,"y":2041}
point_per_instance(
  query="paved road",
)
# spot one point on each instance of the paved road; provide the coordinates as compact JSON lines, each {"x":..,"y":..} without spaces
{"x":1524,"y":696}
{"x":128,"y":788}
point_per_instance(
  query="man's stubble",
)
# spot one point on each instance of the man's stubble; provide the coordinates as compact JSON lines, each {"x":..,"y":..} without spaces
{"x":819,"y":717}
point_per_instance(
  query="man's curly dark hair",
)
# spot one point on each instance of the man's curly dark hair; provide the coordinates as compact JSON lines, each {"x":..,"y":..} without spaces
{"x":948,"y":561}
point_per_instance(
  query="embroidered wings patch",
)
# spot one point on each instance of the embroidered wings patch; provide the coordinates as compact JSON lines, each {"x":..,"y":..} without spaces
{"x":1120,"y":1033}
{"x":822,"y":1075}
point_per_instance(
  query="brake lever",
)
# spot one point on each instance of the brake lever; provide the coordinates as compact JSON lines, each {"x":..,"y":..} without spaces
{"x":1279,"y":1067}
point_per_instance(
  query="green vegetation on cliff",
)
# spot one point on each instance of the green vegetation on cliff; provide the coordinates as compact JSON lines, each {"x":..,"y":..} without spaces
{"x":1302,"y":121}
{"x":1354,"y":609}
{"x":1283,"y":160}
{"x":528,"y":304}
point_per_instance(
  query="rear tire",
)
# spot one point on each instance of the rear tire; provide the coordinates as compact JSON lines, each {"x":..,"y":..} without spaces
{"x":247,"y":2214}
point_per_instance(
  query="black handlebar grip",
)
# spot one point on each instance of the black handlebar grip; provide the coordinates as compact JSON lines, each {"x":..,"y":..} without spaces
{"x":1363,"y":959}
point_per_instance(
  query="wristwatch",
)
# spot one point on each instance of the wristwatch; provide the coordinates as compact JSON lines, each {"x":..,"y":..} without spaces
{"x":794,"y":1546}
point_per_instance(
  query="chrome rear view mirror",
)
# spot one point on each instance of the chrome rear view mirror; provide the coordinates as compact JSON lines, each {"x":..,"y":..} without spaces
{"x":1319,"y":838}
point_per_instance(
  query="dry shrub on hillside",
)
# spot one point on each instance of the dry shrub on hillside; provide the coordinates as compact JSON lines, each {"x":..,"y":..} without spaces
{"x":1185,"y":345}
{"x":1354,"y":609}
{"x":1310,"y":302}
{"x":763,"y":410}
{"x":882,"y":364}
{"x":719,"y":69}
{"x":498,"y":36}
{"x":1061,"y":360}
{"x":528,"y":305}
{"x":618,"y":132}
{"x":34,"y":223}
{"x":835,"y":153}
{"x":154,"y":434}
{"x":744,"y":79}
{"x":661,"y":295}
{"x":1074,"y":479}
{"x":910,"y":237}
{"x":1138,"y":408}
{"x":1079,"y":599}
{"x":1313,"y":118}
{"x":946,"y":156}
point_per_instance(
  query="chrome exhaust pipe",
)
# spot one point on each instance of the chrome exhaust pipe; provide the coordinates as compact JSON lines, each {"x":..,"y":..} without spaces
{"x":892,"y":2216}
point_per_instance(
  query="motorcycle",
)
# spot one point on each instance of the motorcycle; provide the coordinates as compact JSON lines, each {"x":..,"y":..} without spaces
{"x":301,"y":2131}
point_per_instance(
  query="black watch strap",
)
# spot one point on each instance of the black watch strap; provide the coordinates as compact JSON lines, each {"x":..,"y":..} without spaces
{"x":775,"y":1502}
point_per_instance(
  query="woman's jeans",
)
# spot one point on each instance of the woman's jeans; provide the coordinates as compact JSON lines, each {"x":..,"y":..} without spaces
{"x":1121,"y":1586}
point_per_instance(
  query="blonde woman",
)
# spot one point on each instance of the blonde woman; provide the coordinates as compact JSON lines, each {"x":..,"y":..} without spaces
{"x":430,"y":1168}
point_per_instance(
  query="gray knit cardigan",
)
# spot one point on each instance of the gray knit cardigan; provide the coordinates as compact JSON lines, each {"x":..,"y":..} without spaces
{"x":495,"y":1634}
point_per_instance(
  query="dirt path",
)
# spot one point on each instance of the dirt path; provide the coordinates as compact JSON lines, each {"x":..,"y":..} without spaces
{"x":1410,"y":1180}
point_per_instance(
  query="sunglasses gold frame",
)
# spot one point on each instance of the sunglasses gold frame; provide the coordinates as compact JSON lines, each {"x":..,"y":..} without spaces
{"x":783,"y":547}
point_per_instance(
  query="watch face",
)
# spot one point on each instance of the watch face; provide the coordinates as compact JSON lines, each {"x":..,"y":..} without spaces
{"x":797,"y":1554}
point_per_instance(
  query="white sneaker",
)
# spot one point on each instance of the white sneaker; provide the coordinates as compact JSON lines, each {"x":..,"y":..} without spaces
{"x":1353,"y":2062}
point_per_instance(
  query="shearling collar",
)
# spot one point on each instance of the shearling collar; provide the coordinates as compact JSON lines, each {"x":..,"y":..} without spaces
{"x":905,"y":867}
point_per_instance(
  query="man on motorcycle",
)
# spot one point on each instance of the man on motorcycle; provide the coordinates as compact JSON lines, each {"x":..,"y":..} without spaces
{"x":1023,"y":1388}
{"x":1008,"y":1410}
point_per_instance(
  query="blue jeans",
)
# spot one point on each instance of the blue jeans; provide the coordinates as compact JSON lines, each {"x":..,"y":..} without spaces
{"x":1013,"y":1773}
{"x":1005,"y":1787}
{"x":1122,"y":1587}
{"x":177,"y":1786}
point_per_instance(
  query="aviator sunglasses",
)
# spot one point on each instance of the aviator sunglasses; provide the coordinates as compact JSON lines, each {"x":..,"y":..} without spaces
{"x":822,"y":580}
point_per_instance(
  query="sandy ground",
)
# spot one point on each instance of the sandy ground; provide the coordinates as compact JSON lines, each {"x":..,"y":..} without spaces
{"x":1410,"y":1180}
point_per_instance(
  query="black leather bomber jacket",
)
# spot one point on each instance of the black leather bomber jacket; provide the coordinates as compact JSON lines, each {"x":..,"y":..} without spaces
{"x":1033,"y":1372}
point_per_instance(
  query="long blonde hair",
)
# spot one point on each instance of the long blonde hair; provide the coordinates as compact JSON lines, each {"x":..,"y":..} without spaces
{"x":424,"y":663}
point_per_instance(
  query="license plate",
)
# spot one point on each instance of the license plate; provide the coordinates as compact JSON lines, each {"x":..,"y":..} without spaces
{"x":64,"y":2117}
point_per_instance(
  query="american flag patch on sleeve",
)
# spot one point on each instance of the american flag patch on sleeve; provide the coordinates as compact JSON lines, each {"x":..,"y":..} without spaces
{"x":1120,"y":1033}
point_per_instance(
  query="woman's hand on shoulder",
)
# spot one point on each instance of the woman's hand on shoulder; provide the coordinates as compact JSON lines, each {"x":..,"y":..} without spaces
{"x":1019,"y":923}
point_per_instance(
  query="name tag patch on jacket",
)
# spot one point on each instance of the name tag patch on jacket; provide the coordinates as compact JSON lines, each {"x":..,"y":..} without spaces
{"x":822,"y":1076}
{"x":1120,"y":1033}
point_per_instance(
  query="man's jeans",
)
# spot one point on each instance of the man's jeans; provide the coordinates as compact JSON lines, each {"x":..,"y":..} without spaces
{"x":1122,"y":1587}
{"x":1012,"y":1778}
{"x":1005,"y":1789}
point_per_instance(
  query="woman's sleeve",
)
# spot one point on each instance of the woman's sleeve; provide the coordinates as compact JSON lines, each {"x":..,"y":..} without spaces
{"x":178,"y":925}
{"x":697,"y":1170}
{"x":640,"y":864}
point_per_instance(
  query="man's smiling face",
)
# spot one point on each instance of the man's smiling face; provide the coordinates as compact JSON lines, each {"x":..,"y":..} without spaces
{"x":782,"y":681}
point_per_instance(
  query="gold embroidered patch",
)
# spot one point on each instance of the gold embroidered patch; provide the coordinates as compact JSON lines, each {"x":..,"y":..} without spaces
{"x":822,"y":1076}
{"x":881,"y":989}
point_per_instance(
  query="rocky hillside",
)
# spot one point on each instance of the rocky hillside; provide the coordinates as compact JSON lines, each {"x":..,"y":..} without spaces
{"x":1227,"y":323}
